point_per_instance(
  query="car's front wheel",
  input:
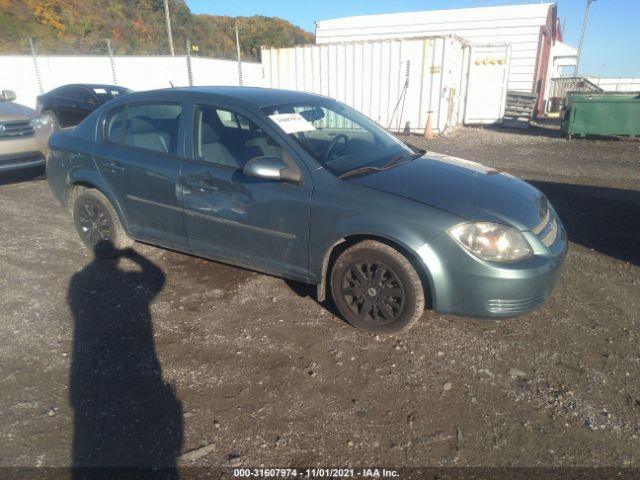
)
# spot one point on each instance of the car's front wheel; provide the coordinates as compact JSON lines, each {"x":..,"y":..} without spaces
{"x":97,"y":223}
{"x":376,"y":288}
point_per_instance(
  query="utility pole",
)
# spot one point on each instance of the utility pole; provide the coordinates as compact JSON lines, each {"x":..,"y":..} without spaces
{"x":169,"y":34}
{"x":35,"y":64}
{"x":113,"y":65}
{"x":238,"y":54}
{"x":584,"y":27}
{"x":189,"y":71}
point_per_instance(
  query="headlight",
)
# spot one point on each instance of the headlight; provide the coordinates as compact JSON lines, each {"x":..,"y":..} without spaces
{"x":38,"y":122}
{"x":492,"y":241}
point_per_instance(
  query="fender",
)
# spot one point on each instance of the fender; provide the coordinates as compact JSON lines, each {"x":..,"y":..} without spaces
{"x":86,"y":176}
{"x":419,"y":262}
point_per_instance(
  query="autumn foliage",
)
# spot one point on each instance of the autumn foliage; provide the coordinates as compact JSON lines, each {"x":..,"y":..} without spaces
{"x":135,"y":27}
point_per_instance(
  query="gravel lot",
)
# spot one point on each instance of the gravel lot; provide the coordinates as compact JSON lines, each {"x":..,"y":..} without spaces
{"x":147,"y":359}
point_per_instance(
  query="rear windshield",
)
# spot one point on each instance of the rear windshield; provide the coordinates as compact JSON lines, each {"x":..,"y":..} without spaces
{"x":105,"y":94}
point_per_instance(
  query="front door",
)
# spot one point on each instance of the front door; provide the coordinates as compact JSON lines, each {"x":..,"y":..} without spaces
{"x":258,"y":223}
{"x":140,"y":158}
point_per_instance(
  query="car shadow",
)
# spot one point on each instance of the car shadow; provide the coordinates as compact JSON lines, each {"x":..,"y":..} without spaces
{"x":19,"y":176}
{"x":600,"y":218}
{"x":304,"y":290}
{"x":126,"y":417}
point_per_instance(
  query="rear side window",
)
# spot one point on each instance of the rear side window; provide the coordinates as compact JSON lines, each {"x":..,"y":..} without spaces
{"x":114,"y":124}
{"x":146,"y":126}
{"x":74,"y":93}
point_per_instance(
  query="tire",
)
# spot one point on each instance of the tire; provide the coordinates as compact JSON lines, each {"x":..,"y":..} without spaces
{"x":53,"y":118}
{"x":376,"y":289}
{"x":98,"y":225}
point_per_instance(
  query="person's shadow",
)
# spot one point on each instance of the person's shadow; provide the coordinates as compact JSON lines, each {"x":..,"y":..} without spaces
{"x":125,"y":416}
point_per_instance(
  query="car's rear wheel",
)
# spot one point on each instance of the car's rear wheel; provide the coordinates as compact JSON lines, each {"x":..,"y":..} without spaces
{"x":376,"y":288}
{"x":97,"y":224}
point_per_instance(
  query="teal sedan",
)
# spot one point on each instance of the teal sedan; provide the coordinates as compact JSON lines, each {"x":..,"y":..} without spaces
{"x":304,"y":187}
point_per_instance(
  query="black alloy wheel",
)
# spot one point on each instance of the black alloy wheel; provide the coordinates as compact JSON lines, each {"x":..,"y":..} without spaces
{"x":376,"y":288}
{"x":95,"y":227}
{"x":373,"y":292}
{"x":97,"y":223}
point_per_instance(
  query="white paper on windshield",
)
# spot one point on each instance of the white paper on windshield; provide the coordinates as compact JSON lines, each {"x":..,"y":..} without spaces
{"x":292,"y":122}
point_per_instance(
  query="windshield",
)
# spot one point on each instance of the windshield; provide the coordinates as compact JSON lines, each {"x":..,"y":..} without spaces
{"x":341,"y":139}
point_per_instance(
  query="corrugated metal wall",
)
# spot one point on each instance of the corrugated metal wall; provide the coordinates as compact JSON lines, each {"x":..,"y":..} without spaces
{"x":394,"y":82}
{"x":515,"y":25}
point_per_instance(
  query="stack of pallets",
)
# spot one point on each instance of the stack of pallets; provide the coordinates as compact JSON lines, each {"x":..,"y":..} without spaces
{"x":518,"y":109}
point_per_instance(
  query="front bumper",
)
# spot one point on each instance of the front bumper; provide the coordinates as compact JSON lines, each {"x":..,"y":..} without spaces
{"x":25,"y":152}
{"x":20,"y":161}
{"x":465,"y":285}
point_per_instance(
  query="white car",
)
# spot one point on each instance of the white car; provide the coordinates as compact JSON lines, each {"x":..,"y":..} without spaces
{"x":24,"y":135}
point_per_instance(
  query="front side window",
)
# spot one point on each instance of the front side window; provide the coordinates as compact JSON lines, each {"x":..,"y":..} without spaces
{"x":341,"y":139}
{"x":151,"y":127}
{"x":229,"y":139}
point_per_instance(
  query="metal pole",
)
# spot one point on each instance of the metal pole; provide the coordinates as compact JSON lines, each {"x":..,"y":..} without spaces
{"x":238,"y":54}
{"x":584,"y":27}
{"x":189,"y":73}
{"x":35,"y":64}
{"x":168,"y":18}
{"x":113,"y":65}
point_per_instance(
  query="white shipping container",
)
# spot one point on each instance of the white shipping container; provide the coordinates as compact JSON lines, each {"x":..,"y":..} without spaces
{"x":397,"y":82}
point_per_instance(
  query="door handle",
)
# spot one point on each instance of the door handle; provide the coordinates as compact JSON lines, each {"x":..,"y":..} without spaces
{"x":114,"y":167}
{"x":202,"y":186}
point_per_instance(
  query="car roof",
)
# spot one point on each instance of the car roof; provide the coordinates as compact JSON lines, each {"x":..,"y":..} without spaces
{"x":250,"y":96}
{"x":91,"y":85}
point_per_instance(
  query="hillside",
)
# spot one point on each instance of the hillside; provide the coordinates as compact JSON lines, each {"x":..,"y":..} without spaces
{"x":135,"y":27}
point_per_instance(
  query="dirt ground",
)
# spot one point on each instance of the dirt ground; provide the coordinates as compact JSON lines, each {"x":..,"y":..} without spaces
{"x":163,"y":358}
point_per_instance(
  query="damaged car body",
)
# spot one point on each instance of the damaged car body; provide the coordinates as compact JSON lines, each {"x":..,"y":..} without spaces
{"x":304,"y":187}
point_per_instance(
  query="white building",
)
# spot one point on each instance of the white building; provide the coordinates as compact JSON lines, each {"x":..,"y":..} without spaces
{"x":532,"y":31}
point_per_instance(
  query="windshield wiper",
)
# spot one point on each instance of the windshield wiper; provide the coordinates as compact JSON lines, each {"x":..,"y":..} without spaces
{"x":359,"y":171}
{"x":421,"y":151}
{"x":399,"y":159}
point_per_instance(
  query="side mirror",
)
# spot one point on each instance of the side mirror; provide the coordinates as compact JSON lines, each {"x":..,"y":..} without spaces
{"x":90,"y":101}
{"x":272,"y":168}
{"x":9,"y":95}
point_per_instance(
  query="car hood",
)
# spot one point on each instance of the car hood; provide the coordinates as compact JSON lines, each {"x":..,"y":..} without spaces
{"x":10,"y":111}
{"x":466,"y":189}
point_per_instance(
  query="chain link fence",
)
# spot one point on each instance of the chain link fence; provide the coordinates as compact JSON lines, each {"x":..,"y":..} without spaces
{"x":42,"y":66}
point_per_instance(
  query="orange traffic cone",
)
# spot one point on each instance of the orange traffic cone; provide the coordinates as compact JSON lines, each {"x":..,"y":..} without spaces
{"x":428,"y":130}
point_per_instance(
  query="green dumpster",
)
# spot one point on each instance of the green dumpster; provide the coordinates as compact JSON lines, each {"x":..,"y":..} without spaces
{"x":588,"y":113}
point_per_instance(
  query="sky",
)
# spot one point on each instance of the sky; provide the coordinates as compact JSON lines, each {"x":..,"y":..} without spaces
{"x":611,"y":46}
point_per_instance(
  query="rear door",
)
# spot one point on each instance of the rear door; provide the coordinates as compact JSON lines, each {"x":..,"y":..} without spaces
{"x":140,"y":157}
{"x":258,"y":223}
{"x":74,"y":104}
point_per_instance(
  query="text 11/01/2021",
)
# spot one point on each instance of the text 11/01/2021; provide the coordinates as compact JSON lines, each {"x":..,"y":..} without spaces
{"x":315,"y":473}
